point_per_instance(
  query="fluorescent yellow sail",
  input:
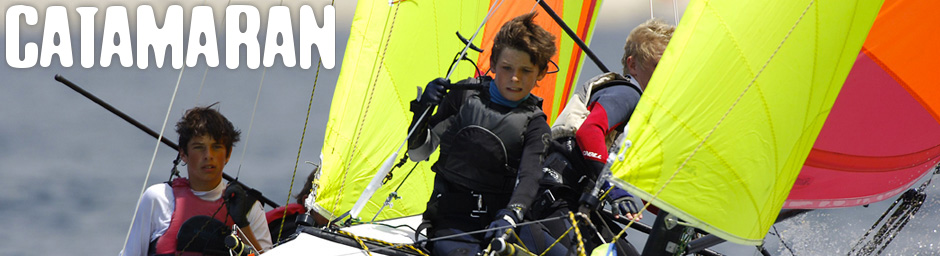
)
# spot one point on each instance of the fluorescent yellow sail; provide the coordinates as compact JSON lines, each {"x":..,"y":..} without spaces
{"x":369,"y":115}
{"x":735,"y":105}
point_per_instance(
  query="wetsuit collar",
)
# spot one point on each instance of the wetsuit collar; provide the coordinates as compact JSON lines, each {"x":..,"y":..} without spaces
{"x":497,"y":97}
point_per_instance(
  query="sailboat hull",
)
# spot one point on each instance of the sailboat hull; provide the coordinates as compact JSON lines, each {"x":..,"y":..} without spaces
{"x":394,"y":232}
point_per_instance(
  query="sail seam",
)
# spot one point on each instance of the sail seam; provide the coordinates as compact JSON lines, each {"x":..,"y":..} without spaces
{"x":721,"y":120}
{"x":368,"y":102}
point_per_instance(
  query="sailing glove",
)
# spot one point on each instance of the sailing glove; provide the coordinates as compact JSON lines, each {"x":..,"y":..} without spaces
{"x":238,"y":204}
{"x":505,"y":219}
{"x":434,"y":91}
{"x":622,"y":203}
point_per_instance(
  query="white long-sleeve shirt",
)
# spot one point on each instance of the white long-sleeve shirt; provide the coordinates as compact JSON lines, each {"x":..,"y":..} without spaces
{"x":155,"y":209}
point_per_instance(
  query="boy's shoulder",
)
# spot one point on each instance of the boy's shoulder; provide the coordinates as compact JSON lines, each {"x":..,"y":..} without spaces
{"x":157,"y":193}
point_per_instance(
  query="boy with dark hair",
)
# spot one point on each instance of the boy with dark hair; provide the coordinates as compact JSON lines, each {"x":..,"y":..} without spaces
{"x":206,"y":138}
{"x":491,"y":142}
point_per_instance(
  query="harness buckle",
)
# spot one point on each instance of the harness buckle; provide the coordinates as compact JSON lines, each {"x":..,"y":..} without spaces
{"x":549,"y":196}
{"x":481,"y":208}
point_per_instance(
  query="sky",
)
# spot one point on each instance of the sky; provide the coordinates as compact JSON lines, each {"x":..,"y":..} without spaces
{"x":71,"y":172}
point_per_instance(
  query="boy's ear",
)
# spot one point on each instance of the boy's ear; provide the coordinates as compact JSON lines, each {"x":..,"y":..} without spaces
{"x":542,"y":74}
{"x":631,"y":65}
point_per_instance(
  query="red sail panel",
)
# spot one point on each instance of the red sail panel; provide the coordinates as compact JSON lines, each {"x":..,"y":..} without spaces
{"x":877,"y":142}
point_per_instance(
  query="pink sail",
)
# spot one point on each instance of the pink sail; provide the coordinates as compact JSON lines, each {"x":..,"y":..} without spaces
{"x":883,"y":133}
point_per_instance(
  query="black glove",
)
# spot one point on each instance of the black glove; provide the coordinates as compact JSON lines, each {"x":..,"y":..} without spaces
{"x":622,"y":203}
{"x":434,"y":92}
{"x":238,"y":204}
{"x":505,"y":219}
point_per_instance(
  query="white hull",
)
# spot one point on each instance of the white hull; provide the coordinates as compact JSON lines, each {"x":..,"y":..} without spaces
{"x":308,"y":244}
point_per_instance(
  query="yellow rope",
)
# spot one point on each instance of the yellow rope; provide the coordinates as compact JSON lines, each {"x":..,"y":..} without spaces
{"x":361,"y":243}
{"x":577,"y":232}
{"x":387,"y":244}
{"x":519,"y":240}
{"x":558,"y":239}
{"x":368,"y":104}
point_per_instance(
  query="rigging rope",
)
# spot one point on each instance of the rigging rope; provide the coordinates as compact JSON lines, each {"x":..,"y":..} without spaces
{"x":201,"y":84}
{"x":154,"y":158}
{"x":463,"y":53}
{"x":367,"y":103}
{"x":250,"y":124}
{"x":712,"y":131}
{"x":387,"y":244}
{"x":303,"y":134}
{"x":785,"y":245}
{"x":204,"y":225}
{"x":675,"y":10}
{"x":394,"y":245}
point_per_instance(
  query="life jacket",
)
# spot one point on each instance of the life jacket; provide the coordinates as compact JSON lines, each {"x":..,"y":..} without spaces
{"x":282,"y":220}
{"x":575,"y":112}
{"x":563,"y":179}
{"x":482,"y":148}
{"x":188,"y":206}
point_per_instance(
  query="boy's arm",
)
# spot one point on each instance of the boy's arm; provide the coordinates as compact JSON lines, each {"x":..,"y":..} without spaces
{"x":260,"y":234}
{"x":153,"y":217}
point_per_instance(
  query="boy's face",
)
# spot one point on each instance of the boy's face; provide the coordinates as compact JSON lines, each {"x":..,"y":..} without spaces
{"x":515,"y":73}
{"x":204,"y":161}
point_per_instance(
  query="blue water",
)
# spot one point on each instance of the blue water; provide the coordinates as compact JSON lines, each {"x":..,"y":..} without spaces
{"x":71,"y":173}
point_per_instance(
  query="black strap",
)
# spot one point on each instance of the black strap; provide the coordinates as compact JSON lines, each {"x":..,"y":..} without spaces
{"x":616,"y":82}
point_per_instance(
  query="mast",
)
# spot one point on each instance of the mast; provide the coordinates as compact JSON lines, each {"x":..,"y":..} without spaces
{"x":149,"y":131}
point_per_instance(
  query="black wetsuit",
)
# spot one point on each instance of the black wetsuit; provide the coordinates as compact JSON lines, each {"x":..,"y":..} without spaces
{"x":471,"y":182}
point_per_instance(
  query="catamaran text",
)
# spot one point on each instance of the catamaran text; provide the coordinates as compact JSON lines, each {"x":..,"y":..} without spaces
{"x":56,"y":37}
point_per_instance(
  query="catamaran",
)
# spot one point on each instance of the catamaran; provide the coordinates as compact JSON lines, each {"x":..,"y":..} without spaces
{"x":756,"y":107}
{"x":682,"y":162}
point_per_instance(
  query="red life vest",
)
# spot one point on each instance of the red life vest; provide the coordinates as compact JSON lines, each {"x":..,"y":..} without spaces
{"x":291,"y":209}
{"x":188,"y":205}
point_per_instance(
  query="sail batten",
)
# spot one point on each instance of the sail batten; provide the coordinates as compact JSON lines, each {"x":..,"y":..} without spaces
{"x":734,"y":106}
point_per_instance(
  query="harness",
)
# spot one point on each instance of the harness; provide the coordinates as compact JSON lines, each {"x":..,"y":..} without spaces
{"x":576,"y":110}
{"x":486,"y":142}
{"x":563,"y":180}
{"x":189,"y":206}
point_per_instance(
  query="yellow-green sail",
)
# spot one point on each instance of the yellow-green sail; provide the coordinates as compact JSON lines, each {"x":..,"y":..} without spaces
{"x":394,"y":48}
{"x":734,"y":107}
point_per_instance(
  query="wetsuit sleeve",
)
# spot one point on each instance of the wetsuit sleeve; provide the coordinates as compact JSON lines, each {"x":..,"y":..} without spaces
{"x":426,"y":136}
{"x":610,"y":108}
{"x":537,"y":136}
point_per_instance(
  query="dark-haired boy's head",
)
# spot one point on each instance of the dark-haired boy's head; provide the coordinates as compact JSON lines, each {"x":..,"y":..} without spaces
{"x":200,"y":121}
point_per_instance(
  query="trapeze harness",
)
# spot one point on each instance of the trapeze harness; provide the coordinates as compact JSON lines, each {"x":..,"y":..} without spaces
{"x":564,"y":178}
{"x":188,"y":206}
{"x":480,"y":153}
